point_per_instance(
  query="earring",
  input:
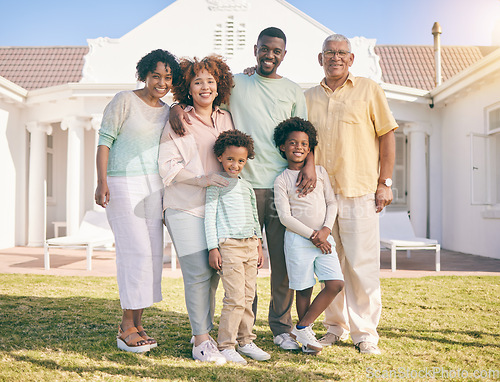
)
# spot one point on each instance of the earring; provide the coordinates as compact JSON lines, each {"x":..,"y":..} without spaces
{"x":189,"y":96}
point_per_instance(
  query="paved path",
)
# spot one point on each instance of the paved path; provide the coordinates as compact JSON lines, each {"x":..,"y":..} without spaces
{"x":73,"y":263}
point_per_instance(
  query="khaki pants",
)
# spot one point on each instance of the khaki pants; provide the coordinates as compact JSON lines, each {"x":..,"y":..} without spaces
{"x":238,"y":275}
{"x":358,"y":307}
{"x":280,"y":318}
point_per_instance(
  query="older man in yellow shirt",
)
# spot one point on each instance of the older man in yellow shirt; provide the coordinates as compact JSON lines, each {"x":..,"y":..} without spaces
{"x":356,"y":146}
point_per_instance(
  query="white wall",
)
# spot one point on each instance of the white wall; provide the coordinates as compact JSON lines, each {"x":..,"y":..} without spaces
{"x":464,"y":228}
{"x":13,"y":198}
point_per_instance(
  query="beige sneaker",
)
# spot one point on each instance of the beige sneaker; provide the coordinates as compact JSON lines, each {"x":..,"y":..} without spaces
{"x":366,"y":347}
{"x":329,"y":339}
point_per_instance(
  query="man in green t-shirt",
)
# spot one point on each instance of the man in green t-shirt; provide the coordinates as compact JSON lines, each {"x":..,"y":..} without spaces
{"x":258,"y":104}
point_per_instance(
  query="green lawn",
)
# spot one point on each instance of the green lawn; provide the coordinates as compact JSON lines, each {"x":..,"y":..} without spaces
{"x":64,"y":328}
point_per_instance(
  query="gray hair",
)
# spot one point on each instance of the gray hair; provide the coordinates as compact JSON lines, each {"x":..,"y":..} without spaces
{"x":337,"y":37}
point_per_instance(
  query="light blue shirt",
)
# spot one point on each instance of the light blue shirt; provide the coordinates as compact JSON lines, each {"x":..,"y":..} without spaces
{"x":132,"y":129}
{"x":231,"y":212}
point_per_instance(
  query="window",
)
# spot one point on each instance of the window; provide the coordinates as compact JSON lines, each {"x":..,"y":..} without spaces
{"x":493,"y":123}
{"x":485,"y":160}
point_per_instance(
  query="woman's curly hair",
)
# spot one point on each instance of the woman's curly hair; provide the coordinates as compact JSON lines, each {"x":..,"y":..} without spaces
{"x":148,"y":63}
{"x":234,"y":138}
{"x":216,"y":66}
{"x":283,"y":130}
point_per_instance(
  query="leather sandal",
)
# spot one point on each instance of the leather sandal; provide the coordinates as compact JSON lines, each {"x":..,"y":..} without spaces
{"x":125,"y":341}
{"x":151,"y":341}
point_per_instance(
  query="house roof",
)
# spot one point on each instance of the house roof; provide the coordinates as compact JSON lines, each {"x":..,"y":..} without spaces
{"x":413,"y":65}
{"x":405,"y":65}
{"x":41,"y":67}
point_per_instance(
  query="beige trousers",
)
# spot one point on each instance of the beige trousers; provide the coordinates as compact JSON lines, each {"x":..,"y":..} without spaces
{"x":238,"y":275}
{"x":358,"y":307}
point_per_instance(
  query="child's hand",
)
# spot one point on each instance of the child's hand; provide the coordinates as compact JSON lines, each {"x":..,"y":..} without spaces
{"x":325,"y":247}
{"x":320,"y":236}
{"x":319,"y":239}
{"x":215,"y":259}
{"x":260,"y":259}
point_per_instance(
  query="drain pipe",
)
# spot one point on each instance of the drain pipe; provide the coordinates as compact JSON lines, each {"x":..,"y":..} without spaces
{"x":436,"y":32}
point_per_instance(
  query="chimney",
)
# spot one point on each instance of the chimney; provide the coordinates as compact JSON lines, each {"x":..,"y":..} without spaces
{"x":436,"y":32}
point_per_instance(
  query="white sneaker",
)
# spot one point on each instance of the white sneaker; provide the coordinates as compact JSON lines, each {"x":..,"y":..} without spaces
{"x":306,"y":337}
{"x":191,"y":341}
{"x":253,"y":351}
{"x":208,"y":352}
{"x":232,"y":356}
{"x":286,"y":342}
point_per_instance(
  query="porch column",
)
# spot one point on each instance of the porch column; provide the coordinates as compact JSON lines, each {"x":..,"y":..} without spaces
{"x":37,"y":189}
{"x":418,"y":202}
{"x":75,"y":171}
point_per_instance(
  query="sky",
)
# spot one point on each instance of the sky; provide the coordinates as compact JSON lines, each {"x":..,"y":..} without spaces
{"x":404,"y":22}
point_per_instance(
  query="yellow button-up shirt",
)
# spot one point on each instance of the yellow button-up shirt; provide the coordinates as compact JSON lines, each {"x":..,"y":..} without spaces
{"x":349,"y":121}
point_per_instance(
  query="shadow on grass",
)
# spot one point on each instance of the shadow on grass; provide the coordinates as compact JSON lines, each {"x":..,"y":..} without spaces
{"x":206,"y":372}
{"x":442,"y":336}
{"x":78,"y":335}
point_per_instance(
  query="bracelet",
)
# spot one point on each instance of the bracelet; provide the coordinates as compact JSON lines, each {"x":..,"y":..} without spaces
{"x":174,"y":104}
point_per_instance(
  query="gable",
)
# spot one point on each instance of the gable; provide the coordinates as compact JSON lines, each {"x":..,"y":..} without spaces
{"x":229,"y":28}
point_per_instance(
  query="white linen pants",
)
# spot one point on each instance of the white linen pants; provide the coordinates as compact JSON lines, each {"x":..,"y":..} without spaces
{"x":200,"y":279}
{"x":134,"y":214}
{"x":357,"y":308}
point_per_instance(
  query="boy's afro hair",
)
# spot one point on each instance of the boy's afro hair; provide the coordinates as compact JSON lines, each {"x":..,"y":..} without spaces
{"x":234,"y":138}
{"x":283,"y":130}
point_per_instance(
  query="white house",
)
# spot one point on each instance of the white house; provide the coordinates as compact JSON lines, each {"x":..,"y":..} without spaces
{"x":448,"y":147}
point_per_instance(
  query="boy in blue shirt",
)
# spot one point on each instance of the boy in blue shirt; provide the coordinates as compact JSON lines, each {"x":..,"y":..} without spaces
{"x":235,"y":249}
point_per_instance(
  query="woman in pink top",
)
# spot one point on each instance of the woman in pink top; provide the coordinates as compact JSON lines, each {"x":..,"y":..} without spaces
{"x":187,"y":166}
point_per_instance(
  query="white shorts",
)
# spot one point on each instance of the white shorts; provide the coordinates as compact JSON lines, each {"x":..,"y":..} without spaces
{"x":304,"y":260}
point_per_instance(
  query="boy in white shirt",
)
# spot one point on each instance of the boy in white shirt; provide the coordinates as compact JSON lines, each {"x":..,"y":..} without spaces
{"x":309,"y":247}
{"x":235,"y":250}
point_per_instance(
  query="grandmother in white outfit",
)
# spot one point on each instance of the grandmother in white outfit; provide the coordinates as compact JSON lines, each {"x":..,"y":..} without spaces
{"x":130,"y":188}
{"x":187,"y":166}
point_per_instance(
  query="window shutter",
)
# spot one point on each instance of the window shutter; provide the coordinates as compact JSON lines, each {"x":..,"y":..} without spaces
{"x":400,"y":170}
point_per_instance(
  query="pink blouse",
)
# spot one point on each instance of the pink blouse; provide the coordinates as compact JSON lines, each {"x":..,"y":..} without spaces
{"x":192,"y":152}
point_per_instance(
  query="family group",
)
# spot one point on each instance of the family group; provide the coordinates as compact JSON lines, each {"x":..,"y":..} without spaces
{"x":235,"y":156}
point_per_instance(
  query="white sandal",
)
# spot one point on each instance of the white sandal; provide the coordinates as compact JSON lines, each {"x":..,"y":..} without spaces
{"x":131,"y":344}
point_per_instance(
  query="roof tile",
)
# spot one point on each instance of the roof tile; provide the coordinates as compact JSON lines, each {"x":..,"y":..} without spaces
{"x":406,"y":65}
{"x":413,"y":65}
{"x":39,"y":67}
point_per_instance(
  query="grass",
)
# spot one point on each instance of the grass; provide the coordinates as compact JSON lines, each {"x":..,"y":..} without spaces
{"x":63,"y":329}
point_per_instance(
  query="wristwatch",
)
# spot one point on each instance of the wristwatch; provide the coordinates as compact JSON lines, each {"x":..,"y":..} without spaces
{"x":387,"y":182}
